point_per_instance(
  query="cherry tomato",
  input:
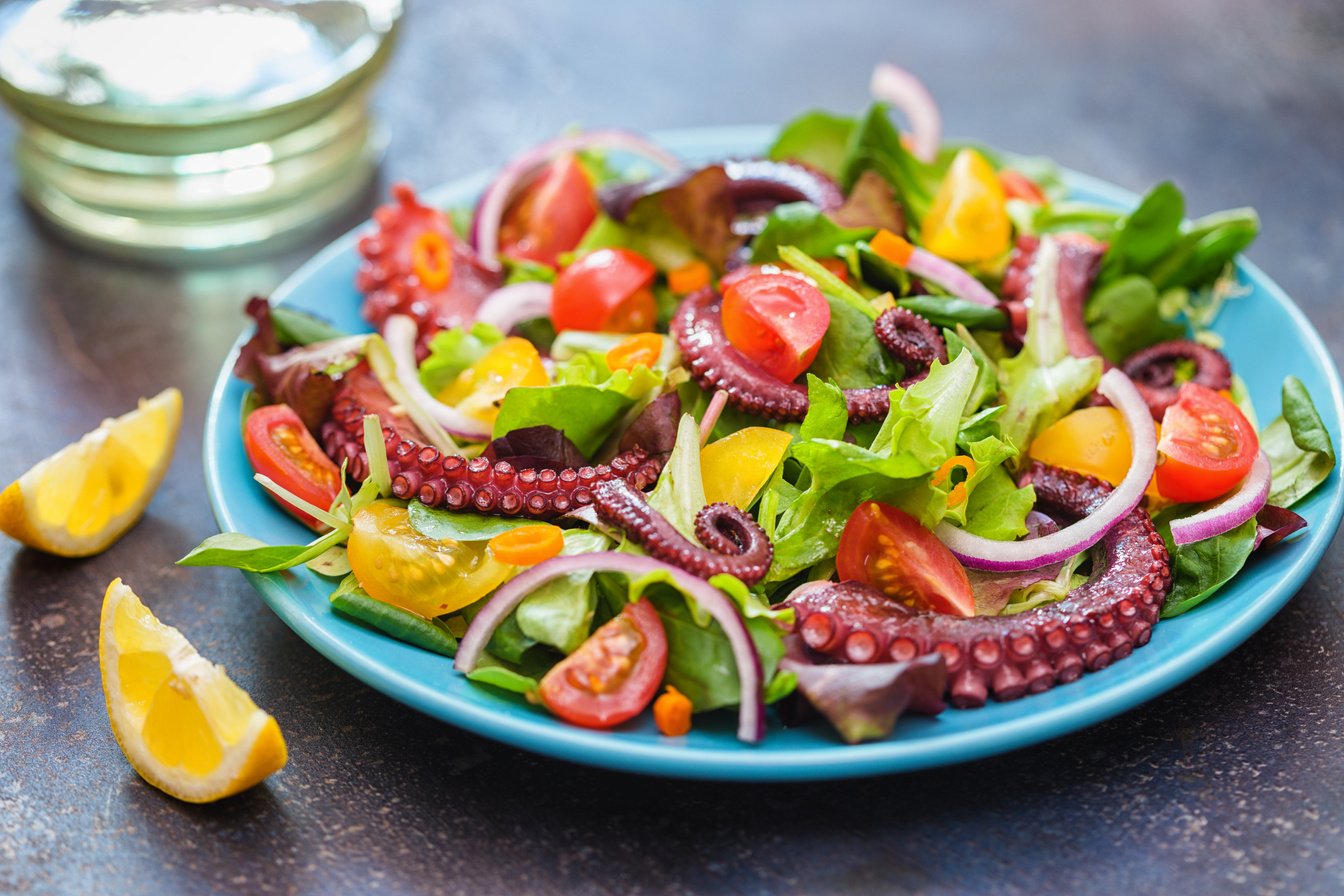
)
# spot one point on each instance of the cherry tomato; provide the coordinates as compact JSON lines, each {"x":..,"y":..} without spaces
{"x":429,"y":576}
{"x":551,"y":215}
{"x":1207,"y":446}
{"x":777,"y":321}
{"x":1089,"y":440}
{"x":606,"y":290}
{"x":1017,"y":185}
{"x":968,"y":220}
{"x":280,"y":447}
{"x":480,"y":388}
{"x":614,"y":674}
{"x":751,"y":270}
{"x":887,"y":548}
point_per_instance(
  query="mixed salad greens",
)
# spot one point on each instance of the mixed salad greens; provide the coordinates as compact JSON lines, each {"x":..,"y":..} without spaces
{"x":568,"y":362}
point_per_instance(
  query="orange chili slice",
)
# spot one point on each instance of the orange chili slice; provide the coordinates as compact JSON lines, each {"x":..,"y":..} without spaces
{"x":958,"y":493}
{"x":688,"y":278}
{"x":641,"y":348}
{"x":527,"y":545}
{"x":432,"y":260}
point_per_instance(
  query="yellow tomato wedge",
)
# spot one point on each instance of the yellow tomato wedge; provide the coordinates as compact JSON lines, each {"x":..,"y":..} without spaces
{"x":968,"y":219}
{"x":735,"y":468}
{"x":398,"y":565}
{"x":480,"y":388}
{"x":185,"y":727}
{"x":1092,"y":441}
{"x":81,"y":499}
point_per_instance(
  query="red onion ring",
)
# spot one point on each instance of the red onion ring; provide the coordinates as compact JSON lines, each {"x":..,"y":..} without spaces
{"x":716,"y":406}
{"x":509,"y":306}
{"x":893,"y":84}
{"x":1238,"y":507}
{"x":751,"y":712}
{"x":1010,"y":556}
{"x":951,"y":277}
{"x":401,"y":332}
{"x":517,"y":172}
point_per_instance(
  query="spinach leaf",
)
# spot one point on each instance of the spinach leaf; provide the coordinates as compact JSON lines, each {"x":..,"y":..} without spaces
{"x":1200,"y":568}
{"x":293,"y":327}
{"x":815,"y":138}
{"x":586,"y":414}
{"x":875,"y":144}
{"x":1123,"y":317}
{"x":850,"y":355}
{"x":806,"y":227}
{"x":237,"y":551}
{"x":1300,"y":451}
{"x":1147,"y":233}
{"x":1206,"y":247}
{"x":460,"y":525}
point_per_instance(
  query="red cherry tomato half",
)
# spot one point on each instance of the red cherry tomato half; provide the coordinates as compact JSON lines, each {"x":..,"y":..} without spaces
{"x":614,"y":674}
{"x":607,"y":290}
{"x":280,"y":447}
{"x":777,"y":321}
{"x":1207,"y":446}
{"x":752,"y":270}
{"x":887,"y":548}
{"x":551,"y":215}
{"x":1017,"y":185}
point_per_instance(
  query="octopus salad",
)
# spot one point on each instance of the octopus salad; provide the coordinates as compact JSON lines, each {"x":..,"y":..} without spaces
{"x":872,"y":423}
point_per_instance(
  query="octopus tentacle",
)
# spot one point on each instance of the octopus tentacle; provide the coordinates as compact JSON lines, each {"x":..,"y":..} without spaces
{"x":1010,"y":656}
{"x":912,"y":340}
{"x":1153,"y":371}
{"x":735,"y":543}
{"x":1079,"y":263}
{"x":715,"y":364}
{"x":387,"y":277}
{"x":498,"y":488}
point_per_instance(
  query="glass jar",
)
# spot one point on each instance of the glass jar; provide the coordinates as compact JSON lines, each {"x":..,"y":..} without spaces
{"x":179,"y":130}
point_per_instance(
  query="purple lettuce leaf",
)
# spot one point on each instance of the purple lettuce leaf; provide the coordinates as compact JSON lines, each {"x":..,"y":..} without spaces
{"x":1274,"y":524}
{"x":654,"y":431}
{"x":864,"y":702}
{"x":536,"y":447}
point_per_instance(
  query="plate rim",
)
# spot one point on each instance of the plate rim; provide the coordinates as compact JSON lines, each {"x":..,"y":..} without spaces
{"x":610,"y":751}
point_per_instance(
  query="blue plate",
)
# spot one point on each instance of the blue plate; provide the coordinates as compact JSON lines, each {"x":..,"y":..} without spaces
{"x":1267,"y":338}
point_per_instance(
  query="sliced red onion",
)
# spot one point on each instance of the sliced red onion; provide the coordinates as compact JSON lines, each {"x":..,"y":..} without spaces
{"x":893,"y":84}
{"x":401,"y":332}
{"x":751,"y":713}
{"x":519,"y":170}
{"x":1229,"y":513}
{"x":716,"y":405}
{"x":1010,"y":556}
{"x":950,"y":277}
{"x":508,"y":306}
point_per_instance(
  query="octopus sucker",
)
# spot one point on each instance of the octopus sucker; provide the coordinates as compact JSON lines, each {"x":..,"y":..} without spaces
{"x":423,"y":473}
{"x":1153,"y":371}
{"x":1008,"y":657}
{"x":733,"y":542}
{"x":716,"y":365}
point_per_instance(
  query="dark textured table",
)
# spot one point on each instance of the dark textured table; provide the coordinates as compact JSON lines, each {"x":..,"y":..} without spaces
{"x":1232,"y":783}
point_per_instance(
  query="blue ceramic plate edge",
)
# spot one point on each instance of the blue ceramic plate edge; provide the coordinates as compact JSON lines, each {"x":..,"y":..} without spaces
{"x":611,"y":752}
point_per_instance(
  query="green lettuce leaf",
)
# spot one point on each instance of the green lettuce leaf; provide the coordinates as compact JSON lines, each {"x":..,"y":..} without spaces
{"x":453,"y":351}
{"x":806,"y":227}
{"x":1043,"y":382}
{"x":560,"y":613}
{"x":680,"y":492}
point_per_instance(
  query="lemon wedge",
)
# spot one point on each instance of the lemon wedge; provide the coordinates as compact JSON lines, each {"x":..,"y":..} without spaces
{"x":87,"y":495}
{"x":182,"y":723}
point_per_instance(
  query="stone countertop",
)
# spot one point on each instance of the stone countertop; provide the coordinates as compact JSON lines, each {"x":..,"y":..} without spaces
{"x":1234,"y":782}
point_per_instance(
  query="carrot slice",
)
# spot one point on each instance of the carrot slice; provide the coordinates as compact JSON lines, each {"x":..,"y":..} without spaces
{"x":527,"y":545}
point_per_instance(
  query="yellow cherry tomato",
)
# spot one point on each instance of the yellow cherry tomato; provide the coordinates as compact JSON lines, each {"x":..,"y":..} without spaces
{"x":1092,"y":441}
{"x":968,"y":220}
{"x":737,"y":466}
{"x":394,"y":563}
{"x":480,"y":388}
